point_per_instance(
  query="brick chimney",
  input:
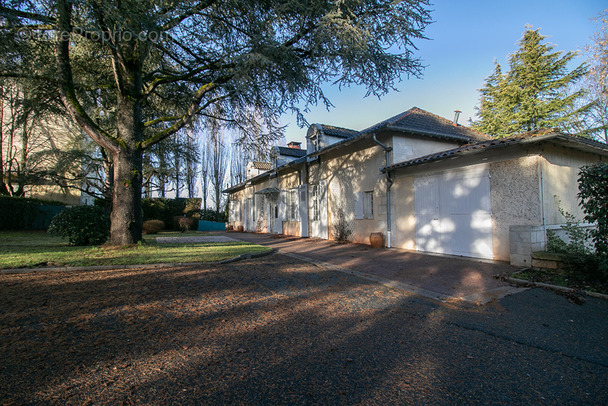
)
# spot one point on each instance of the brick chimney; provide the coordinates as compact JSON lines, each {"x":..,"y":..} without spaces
{"x":294,"y":145}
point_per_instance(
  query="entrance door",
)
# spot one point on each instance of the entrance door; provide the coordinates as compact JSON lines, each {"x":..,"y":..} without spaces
{"x":319,"y":224}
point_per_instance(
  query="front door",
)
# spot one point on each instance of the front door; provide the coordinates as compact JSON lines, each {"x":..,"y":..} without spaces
{"x":318,"y":202}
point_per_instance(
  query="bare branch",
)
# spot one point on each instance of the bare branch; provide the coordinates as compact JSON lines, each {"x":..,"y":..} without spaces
{"x":193,"y":110}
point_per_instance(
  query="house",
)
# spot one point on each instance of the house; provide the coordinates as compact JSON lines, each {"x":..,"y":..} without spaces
{"x":426,"y":183}
{"x":28,"y":146}
{"x":283,"y":155}
{"x":255,"y":168}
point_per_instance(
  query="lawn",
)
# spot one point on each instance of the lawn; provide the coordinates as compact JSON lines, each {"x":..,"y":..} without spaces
{"x":22,"y":249}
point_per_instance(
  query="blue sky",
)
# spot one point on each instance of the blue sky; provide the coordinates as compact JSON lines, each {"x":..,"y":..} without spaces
{"x":465,"y":39}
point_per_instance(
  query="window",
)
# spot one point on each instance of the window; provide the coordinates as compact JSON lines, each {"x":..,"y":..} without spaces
{"x":368,"y":205}
{"x":236,"y":210}
{"x":292,"y":205}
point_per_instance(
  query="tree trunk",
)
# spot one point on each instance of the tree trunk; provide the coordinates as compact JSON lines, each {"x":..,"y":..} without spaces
{"x":126,"y":199}
{"x":126,"y":217}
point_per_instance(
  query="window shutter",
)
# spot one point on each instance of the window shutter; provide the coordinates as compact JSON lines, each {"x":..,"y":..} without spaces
{"x":358,"y":205}
{"x":283,"y":205}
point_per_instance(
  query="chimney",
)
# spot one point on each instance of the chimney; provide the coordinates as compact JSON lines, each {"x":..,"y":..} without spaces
{"x":294,"y":145}
{"x":456,"y":115}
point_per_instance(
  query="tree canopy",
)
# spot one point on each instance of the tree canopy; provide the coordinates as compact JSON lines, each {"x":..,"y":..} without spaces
{"x":133,"y":72}
{"x":592,"y":121}
{"x":533,"y":94}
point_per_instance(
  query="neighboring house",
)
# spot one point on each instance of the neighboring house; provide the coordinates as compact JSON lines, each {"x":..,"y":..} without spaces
{"x":256,"y":168}
{"x":426,"y":183}
{"x":27,"y":151}
{"x":290,"y":153}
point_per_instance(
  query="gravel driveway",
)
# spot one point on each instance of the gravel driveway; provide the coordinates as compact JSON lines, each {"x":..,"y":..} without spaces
{"x":276,"y":330}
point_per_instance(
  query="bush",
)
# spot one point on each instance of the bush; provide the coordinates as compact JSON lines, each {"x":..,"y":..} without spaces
{"x":212,"y":215}
{"x":593,"y":192}
{"x":183,"y":223}
{"x":166,"y":209}
{"x":153,"y":226}
{"x":581,"y":263}
{"x":342,"y":232}
{"x":82,"y":225}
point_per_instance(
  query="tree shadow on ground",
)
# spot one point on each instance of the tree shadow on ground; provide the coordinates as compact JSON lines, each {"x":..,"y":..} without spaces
{"x":267,"y":331}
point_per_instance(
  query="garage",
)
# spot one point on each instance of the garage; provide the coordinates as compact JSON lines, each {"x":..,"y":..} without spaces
{"x":453,"y":212}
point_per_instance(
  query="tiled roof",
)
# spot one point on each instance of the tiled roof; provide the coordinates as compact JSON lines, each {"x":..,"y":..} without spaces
{"x":422,"y":122}
{"x":265,"y":166}
{"x":482,"y":146}
{"x":338,"y":131}
{"x":291,"y":151}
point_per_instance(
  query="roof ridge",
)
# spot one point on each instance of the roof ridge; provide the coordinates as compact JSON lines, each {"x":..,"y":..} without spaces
{"x":454,"y":124}
{"x":402,"y":115}
{"x":390,"y":120}
{"x":336,"y":126}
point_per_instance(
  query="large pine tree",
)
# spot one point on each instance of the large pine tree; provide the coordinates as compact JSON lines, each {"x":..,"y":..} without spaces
{"x":533,"y":94}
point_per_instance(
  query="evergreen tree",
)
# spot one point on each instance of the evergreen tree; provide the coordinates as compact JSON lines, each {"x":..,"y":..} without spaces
{"x":534,"y":94}
{"x":491,"y":110}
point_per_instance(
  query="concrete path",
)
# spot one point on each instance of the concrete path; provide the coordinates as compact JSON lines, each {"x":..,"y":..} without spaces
{"x":444,"y":278}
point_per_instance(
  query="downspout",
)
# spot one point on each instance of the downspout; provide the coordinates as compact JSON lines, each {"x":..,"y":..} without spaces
{"x":542,"y":195}
{"x":389,"y":183}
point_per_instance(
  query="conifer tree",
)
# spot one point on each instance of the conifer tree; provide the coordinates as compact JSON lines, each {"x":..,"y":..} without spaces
{"x":195,"y":58}
{"x":534,"y":93}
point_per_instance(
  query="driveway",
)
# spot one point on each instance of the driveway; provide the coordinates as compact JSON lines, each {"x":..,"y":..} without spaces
{"x":279,"y":331}
{"x":443,"y":278}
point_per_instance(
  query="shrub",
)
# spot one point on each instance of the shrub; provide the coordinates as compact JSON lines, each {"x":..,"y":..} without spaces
{"x":593,"y":193}
{"x":581,"y":263}
{"x":82,"y":225}
{"x":212,"y":215}
{"x":342,"y":232}
{"x":183,"y":223}
{"x":166,"y":209}
{"x":153,"y":226}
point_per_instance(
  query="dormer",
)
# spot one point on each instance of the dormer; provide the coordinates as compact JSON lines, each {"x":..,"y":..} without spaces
{"x":320,"y":136}
{"x":283,"y":155}
{"x":254,"y":169}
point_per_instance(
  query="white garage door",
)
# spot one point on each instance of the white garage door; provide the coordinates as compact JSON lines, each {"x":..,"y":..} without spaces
{"x":453,"y":212}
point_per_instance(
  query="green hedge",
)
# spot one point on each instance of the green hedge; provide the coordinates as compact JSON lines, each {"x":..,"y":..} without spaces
{"x":166,"y":209}
{"x":212,"y":215}
{"x":18,"y":213}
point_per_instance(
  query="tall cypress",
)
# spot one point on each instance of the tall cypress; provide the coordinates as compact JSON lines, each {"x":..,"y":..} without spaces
{"x":533,"y":94}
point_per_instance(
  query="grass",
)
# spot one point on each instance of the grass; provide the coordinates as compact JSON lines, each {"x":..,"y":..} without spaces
{"x":26,"y":249}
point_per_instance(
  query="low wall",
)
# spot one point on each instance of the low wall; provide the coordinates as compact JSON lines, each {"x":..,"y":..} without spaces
{"x":523,"y":241}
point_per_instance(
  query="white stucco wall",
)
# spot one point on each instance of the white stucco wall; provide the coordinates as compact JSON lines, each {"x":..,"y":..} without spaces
{"x":515,"y":198}
{"x":409,"y":147}
{"x":560,"y":167}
